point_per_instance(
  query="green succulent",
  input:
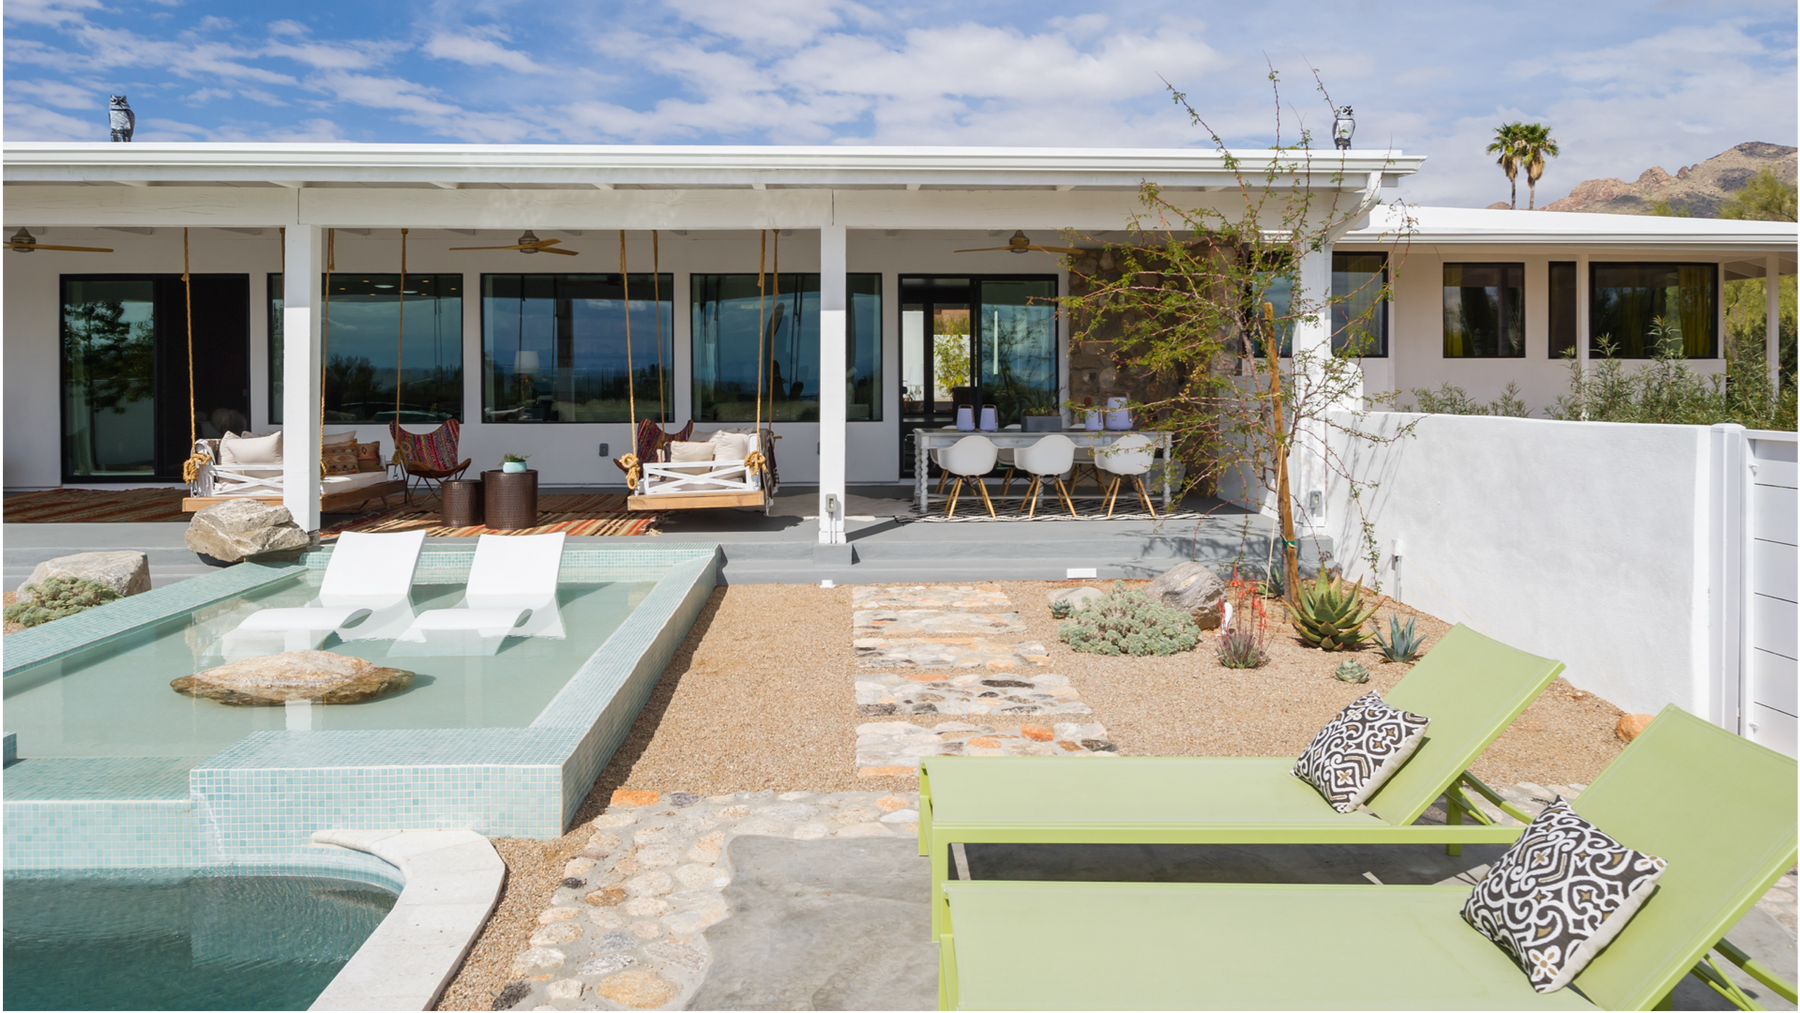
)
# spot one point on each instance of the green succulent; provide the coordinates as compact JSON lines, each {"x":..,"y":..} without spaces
{"x":1061,"y":609}
{"x":1403,"y":643}
{"x":1329,"y":615}
{"x":1351,"y":671}
{"x":1129,"y":622}
{"x":56,"y":597}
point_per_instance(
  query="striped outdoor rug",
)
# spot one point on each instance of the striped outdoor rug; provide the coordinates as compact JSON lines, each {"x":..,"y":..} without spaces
{"x":575,"y":515}
{"x":95,"y":506}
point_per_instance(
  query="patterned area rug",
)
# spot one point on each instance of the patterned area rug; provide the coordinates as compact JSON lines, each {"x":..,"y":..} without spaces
{"x":575,"y":515}
{"x":95,"y":506}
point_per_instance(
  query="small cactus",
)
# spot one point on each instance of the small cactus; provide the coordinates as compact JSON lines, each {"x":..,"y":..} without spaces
{"x":1351,"y":671}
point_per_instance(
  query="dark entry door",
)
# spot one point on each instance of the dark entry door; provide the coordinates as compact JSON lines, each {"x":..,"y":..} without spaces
{"x":125,"y":371}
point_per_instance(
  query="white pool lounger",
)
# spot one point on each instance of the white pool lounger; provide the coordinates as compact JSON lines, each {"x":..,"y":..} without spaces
{"x":365,"y":596}
{"x":511,"y":593}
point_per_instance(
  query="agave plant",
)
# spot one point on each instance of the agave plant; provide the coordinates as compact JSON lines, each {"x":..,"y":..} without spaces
{"x":1403,"y":643}
{"x":1329,"y":615}
{"x":1351,"y":671}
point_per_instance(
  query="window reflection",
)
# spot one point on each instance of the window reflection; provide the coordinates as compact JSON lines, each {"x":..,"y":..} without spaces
{"x":553,"y":347}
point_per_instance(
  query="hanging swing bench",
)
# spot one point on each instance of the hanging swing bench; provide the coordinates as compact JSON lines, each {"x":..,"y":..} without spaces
{"x":256,"y":470}
{"x":732,"y":468}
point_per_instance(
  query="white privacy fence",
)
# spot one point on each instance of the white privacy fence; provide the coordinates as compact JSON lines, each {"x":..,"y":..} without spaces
{"x":1657,"y":562}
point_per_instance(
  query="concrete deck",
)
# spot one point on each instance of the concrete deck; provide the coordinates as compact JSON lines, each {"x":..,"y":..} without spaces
{"x":887,"y":542}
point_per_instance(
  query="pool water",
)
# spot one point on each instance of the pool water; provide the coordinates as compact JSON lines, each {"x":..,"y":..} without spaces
{"x":114,"y":699}
{"x":174,"y":941}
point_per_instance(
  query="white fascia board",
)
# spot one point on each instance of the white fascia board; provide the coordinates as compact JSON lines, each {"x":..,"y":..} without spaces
{"x":675,"y":166}
{"x":1434,"y":226}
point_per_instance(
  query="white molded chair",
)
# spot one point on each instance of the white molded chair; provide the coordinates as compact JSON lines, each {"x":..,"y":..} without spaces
{"x":1050,"y":458}
{"x":511,"y":593}
{"x":368,"y":583}
{"x":1129,"y":457}
{"x":1008,"y":461}
{"x":968,"y":459}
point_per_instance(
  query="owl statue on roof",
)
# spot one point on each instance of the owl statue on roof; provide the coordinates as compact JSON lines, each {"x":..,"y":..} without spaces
{"x":122,"y":119}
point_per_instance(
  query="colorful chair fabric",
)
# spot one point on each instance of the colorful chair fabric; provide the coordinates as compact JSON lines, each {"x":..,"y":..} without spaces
{"x":430,"y":457}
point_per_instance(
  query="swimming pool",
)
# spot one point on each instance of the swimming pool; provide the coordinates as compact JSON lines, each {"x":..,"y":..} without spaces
{"x":113,"y":699}
{"x":179,"y":940}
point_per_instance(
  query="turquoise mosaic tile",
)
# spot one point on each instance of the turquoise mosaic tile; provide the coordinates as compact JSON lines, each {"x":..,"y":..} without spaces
{"x":12,"y":749}
{"x":260,"y":800}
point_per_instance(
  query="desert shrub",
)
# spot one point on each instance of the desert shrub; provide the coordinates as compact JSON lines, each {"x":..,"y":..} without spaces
{"x":1664,"y":390}
{"x":1129,"y":622}
{"x":1450,"y":399}
{"x":56,"y":597}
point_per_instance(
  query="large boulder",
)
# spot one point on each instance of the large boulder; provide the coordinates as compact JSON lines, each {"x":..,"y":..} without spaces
{"x":126,"y":572}
{"x":275,"y":679}
{"x":244,"y":529}
{"x":1191,"y":587}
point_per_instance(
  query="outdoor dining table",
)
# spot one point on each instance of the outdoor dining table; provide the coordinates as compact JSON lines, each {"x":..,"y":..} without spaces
{"x":927,"y":440}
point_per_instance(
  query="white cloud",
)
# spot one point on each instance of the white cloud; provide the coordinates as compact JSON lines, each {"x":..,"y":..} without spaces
{"x":481,"y":47}
{"x":25,"y":120}
{"x":782,"y":24}
{"x":49,"y":12}
{"x":62,"y":94}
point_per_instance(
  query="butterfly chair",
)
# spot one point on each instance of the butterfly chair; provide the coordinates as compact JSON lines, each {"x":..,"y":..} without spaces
{"x":429,"y":458}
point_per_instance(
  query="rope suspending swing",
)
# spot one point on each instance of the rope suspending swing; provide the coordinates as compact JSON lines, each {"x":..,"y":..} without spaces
{"x":197,"y":458}
{"x":399,"y":352}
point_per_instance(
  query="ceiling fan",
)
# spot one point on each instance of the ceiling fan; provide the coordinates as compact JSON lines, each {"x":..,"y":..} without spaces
{"x":528,"y":243}
{"x":1021,"y":243}
{"x":25,"y":242}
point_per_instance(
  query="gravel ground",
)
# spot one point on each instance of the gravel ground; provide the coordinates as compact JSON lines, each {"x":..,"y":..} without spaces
{"x":759,"y":697}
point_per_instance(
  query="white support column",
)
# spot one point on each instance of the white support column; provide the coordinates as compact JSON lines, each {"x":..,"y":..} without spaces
{"x":299,"y":367}
{"x":833,"y":380}
{"x":1583,"y":313}
{"x":1312,"y":349}
{"x":1771,"y":306}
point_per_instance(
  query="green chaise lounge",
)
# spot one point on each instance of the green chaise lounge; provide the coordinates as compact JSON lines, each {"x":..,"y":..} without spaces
{"x":1470,"y":686}
{"x":1720,"y":809}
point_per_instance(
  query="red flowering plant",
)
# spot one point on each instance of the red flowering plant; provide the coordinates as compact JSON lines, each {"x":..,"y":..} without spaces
{"x":1242,"y":642}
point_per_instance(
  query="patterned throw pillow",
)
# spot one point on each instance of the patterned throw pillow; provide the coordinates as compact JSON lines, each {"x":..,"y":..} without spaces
{"x":1358,"y":750}
{"x":340,"y":458}
{"x":368,"y":457}
{"x":1559,"y":895}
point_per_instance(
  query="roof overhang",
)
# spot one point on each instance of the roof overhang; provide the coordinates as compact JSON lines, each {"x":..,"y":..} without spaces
{"x":533,"y":166}
{"x":1453,"y":227}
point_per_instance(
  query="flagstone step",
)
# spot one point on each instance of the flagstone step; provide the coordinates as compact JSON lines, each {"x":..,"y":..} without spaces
{"x":897,"y":624}
{"x":948,"y":652}
{"x":973,"y":695}
{"x":962,"y":597}
{"x":894,"y":748}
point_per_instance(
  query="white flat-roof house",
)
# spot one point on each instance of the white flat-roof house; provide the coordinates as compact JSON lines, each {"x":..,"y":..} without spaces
{"x":529,"y":351}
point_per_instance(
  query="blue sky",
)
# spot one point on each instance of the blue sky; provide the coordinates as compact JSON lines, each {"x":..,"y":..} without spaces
{"x":1623,"y":85}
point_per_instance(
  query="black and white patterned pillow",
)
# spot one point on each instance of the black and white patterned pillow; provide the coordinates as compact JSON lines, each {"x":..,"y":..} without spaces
{"x":1559,"y":895}
{"x":1358,"y":750}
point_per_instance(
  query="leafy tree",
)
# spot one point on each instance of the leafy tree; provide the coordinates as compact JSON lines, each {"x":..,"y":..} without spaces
{"x":1506,"y":145}
{"x":1189,"y":299}
{"x":116,"y":358}
{"x":1534,"y":145}
{"x":1765,"y":198}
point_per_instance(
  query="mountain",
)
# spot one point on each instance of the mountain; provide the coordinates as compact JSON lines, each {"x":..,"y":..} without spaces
{"x":1698,"y":188}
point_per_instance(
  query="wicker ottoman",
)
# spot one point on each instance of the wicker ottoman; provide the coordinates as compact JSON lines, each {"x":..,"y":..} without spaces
{"x":511,"y":499}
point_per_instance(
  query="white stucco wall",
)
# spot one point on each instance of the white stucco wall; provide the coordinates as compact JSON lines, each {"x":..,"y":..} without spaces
{"x":1580,"y":541}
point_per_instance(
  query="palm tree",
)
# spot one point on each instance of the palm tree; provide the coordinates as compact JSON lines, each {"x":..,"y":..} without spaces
{"x":1506,"y":145}
{"x":1534,"y":142}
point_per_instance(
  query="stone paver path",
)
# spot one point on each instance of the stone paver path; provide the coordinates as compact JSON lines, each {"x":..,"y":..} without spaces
{"x":895,"y":623}
{"x":970,"y":597}
{"x":976,"y":694}
{"x":624,"y":930}
{"x":891,"y":748}
{"x":949,"y":652}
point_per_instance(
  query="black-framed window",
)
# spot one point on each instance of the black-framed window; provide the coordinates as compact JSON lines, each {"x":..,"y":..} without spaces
{"x":1563,"y":290}
{"x":726,"y":311}
{"x":364,"y":346}
{"x":1642,"y":309}
{"x":553,"y":347}
{"x":1484,"y":311}
{"x":1359,"y":308}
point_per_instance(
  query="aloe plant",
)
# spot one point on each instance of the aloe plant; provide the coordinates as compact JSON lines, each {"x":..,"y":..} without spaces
{"x":1329,"y":615}
{"x":1403,"y":643}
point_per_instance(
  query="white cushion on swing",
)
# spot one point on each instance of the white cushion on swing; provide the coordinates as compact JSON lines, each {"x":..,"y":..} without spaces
{"x":333,"y":439}
{"x":235,"y":449}
{"x":729,"y":446}
{"x":690,"y":452}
